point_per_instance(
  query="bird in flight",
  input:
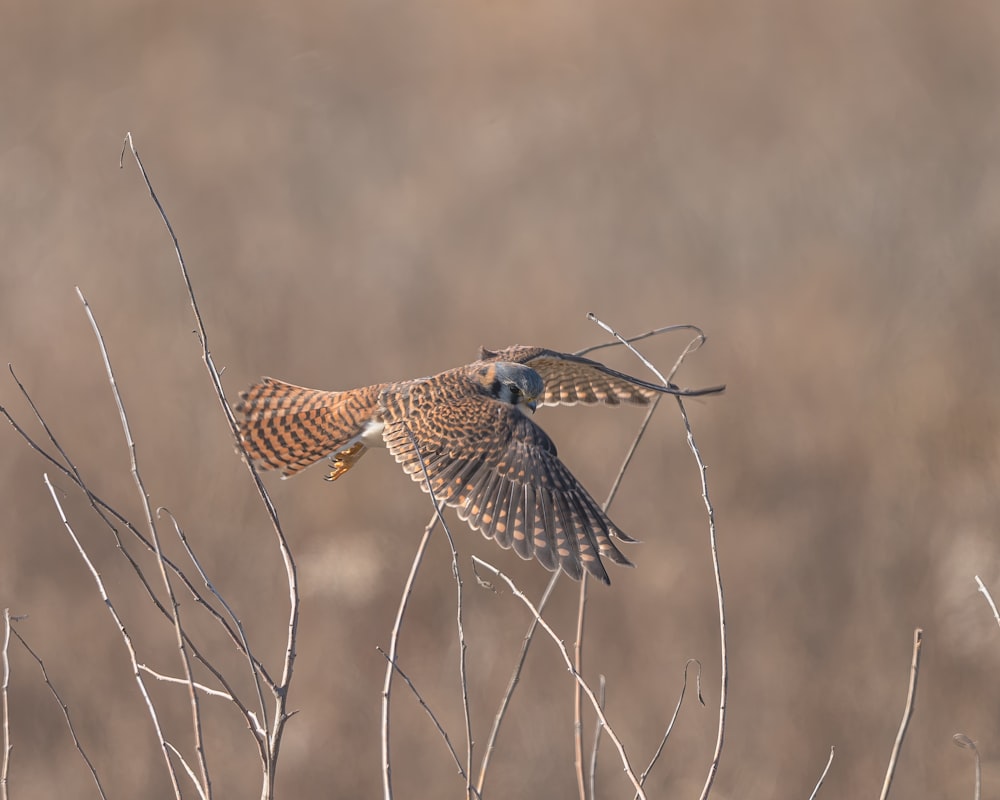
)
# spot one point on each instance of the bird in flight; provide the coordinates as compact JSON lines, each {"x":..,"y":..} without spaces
{"x":464,"y":435}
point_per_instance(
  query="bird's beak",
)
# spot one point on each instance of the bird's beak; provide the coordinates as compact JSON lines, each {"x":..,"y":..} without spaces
{"x":532,"y":404}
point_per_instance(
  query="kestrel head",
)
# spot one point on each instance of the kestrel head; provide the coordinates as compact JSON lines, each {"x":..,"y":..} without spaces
{"x":512,"y":383}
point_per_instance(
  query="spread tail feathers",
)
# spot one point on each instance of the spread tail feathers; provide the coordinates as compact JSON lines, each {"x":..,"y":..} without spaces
{"x":288,"y":427}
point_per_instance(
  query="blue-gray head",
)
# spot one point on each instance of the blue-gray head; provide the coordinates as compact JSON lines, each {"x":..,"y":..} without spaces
{"x":512,"y":383}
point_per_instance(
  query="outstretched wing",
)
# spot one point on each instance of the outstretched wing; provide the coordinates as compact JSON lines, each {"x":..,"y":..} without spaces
{"x":502,"y":474}
{"x":571,"y":379}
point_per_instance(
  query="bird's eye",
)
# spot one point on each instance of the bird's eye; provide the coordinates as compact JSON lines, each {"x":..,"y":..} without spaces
{"x":514,"y":389}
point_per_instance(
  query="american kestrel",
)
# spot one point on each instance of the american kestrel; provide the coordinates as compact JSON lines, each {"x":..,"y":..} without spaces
{"x":482,"y":454}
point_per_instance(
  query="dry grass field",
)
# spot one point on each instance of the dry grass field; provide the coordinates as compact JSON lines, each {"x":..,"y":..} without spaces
{"x":368,"y":191}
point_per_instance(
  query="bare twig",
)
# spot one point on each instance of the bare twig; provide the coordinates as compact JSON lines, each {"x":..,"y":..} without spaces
{"x":629,"y":455}
{"x":700,"y":337}
{"x":125,"y":638}
{"x":254,"y":671}
{"x":601,"y":697}
{"x":822,"y":777}
{"x":397,"y":625}
{"x":961,"y":740}
{"x":581,"y":614}
{"x":65,"y":711}
{"x":184,"y":681}
{"x":626,"y":765}
{"x":717,"y":571}
{"x":7,"y":746}
{"x":713,"y":767}
{"x":673,"y":718}
{"x":188,"y":770}
{"x":433,"y":716}
{"x":664,"y":387}
{"x":462,"y":673}
{"x":989,"y":599}
{"x":911,"y":698}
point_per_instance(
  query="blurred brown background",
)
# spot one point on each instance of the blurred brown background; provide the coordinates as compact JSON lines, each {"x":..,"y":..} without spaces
{"x":368,"y":191}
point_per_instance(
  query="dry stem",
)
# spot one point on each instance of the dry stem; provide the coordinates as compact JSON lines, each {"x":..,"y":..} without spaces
{"x":989,"y":599}
{"x":911,"y":698}
{"x":136,"y":672}
{"x":7,"y":746}
{"x":65,"y":711}
{"x":822,"y":777}
{"x":673,"y":718}
{"x":391,"y":656}
{"x":961,"y":740}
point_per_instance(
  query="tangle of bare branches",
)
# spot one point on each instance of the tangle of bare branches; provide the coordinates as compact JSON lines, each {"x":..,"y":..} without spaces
{"x":267,"y":713}
{"x":626,"y":764}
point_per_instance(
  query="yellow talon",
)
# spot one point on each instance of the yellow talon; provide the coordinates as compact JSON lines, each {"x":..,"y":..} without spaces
{"x":344,"y":460}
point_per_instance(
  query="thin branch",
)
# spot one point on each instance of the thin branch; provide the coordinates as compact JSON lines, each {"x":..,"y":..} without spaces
{"x":199,"y":686}
{"x":673,"y":718}
{"x":189,"y":771}
{"x":666,"y":382}
{"x":911,"y":698}
{"x":713,"y":767}
{"x":700,"y":338}
{"x":397,"y":625}
{"x":598,"y":727}
{"x":7,"y":746}
{"x":431,"y":714}
{"x":124,"y":634}
{"x":462,"y":671}
{"x":822,"y":777}
{"x":65,"y":711}
{"x":581,"y":614}
{"x":627,"y":461}
{"x":717,"y":571}
{"x":961,"y":740}
{"x":989,"y":599}
{"x":254,"y":672}
{"x":665,"y":387}
{"x":626,"y":765}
